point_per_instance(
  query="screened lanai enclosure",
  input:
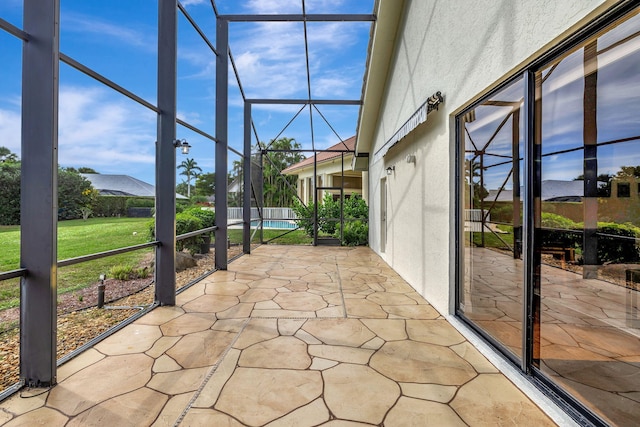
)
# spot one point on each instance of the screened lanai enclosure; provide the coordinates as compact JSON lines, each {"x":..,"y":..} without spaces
{"x":123,"y":87}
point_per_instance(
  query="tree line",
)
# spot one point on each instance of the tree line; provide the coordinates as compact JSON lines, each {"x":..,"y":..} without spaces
{"x":75,"y":193}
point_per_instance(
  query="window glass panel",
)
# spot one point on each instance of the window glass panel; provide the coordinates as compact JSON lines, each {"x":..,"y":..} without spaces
{"x":490,"y":294}
{"x":589,"y":277}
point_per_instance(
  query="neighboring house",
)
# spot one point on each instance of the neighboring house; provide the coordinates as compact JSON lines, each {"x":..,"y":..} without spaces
{"x":330,"y":166}
{"x":531,"y":90}
{"x":121,"y":185}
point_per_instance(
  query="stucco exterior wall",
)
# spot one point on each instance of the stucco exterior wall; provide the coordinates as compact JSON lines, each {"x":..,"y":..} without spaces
{"x":460,"y":48}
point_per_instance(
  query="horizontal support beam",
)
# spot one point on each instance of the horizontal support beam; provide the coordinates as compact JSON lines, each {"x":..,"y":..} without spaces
{"x":300,"y":18}
{"x":9,"y":27}
{"x":310,"y":150}
{"x":196,"y":130}
{"x":306,"y":101}
{"x":196,"y":233}
{"x":21,"y":272}
{"x":78,"y":260}
{"x":102,"y":79}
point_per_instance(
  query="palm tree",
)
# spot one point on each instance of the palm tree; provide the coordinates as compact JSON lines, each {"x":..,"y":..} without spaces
{"x":189,"y":167}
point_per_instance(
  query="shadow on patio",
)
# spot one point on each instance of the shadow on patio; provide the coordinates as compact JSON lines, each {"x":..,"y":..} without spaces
{"x":288,"y":336}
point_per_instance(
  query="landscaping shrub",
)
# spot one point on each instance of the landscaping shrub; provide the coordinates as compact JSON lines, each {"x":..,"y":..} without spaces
{"x":128,"y":272}
{"x":185,"y":222}
{"x":355,"y":233}
{"x":207,"y":216}
{"x":328,"y":214}
{"x":356,"y":207}
{"x":304,"y":215}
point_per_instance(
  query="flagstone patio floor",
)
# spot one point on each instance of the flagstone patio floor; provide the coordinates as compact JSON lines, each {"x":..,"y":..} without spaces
{"x":287,"y":336}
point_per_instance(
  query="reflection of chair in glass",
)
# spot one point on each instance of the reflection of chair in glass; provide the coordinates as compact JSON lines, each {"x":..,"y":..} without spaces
{"x":564,"y":254}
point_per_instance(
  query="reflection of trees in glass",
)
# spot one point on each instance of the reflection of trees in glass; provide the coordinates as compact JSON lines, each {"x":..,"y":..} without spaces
{"x":604,"y":183}
{"x":472,"y":175}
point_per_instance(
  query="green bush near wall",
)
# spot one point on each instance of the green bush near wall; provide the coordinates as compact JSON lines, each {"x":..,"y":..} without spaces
{"x":355,"y":213}
{"x":355,"y":233}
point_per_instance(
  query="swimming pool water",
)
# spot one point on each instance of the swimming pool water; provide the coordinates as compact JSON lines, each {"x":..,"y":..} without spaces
{"x":275,"y":224}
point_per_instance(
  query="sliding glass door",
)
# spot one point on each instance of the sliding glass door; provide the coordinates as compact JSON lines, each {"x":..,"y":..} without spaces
{"x":579,"y":332}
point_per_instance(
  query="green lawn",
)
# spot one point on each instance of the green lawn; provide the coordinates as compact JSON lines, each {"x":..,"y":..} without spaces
{"x":76,"y":238}
{"x":79,"y":237}
{"x":490,"y":239}
{"x":296,"y":237}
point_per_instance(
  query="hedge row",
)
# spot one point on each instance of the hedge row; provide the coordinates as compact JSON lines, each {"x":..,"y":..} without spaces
{"x":617,"y":243}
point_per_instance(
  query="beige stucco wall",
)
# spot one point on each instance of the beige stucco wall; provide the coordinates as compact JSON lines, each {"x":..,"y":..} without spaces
{"x":461,"y":48}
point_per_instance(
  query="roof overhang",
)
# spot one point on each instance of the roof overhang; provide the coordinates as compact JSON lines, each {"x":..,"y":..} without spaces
{"x":381,"y":48}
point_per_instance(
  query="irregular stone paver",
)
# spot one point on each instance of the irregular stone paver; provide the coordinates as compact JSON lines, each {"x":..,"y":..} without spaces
{"x":86,"y":358}
{"x":201,"y":348}
{"x":209,"y":394}
{"x":257,"y":295}
{"x":145,"y":338}
{"x":209,"y":417}
{"x":358,"y":393}
{"x":257,"y":330}
{"x":350,"y":332}
{"x":124,"y":410}
{"x":418,"y":413}
{"x":421,"y":362}
{"x":282,"y":352}
{"x":492,"y":399}
{"x":340,"y":340}
{"x":341,"y":354}
{"x":434,"y":331}
{"x":300,"y":301}
{"x":42,"y":416}
{"x":387,"y":329}
{"x":188,"y":324}
{"x":178,"y":382}
{"x":211,"y":303}
{"x":111,"y":376}
{"x":258,"y":396}
{"x":314,"y":413}
{"x":435,"y":392}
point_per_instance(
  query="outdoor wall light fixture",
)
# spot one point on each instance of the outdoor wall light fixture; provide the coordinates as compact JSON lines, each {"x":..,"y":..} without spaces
{"x":183,"y":144}
{"x":391,"y":170}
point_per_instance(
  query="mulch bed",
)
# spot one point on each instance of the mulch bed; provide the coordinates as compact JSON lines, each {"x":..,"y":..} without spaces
{"x":79,"y":320}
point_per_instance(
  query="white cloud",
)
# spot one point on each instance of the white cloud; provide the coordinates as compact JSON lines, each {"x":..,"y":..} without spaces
{"x":10,"y":130}
{"x":186,"y":3}
{"x":96,"y":129}
{"x":274,"y":6}
{"x":107,"y":31}
{"x":100,"y":131}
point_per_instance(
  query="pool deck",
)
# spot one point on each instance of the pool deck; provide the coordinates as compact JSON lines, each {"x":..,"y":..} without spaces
{"x":287,"y":336}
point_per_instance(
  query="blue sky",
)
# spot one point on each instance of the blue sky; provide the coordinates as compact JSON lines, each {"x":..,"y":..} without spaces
{"x":101,"y":129}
